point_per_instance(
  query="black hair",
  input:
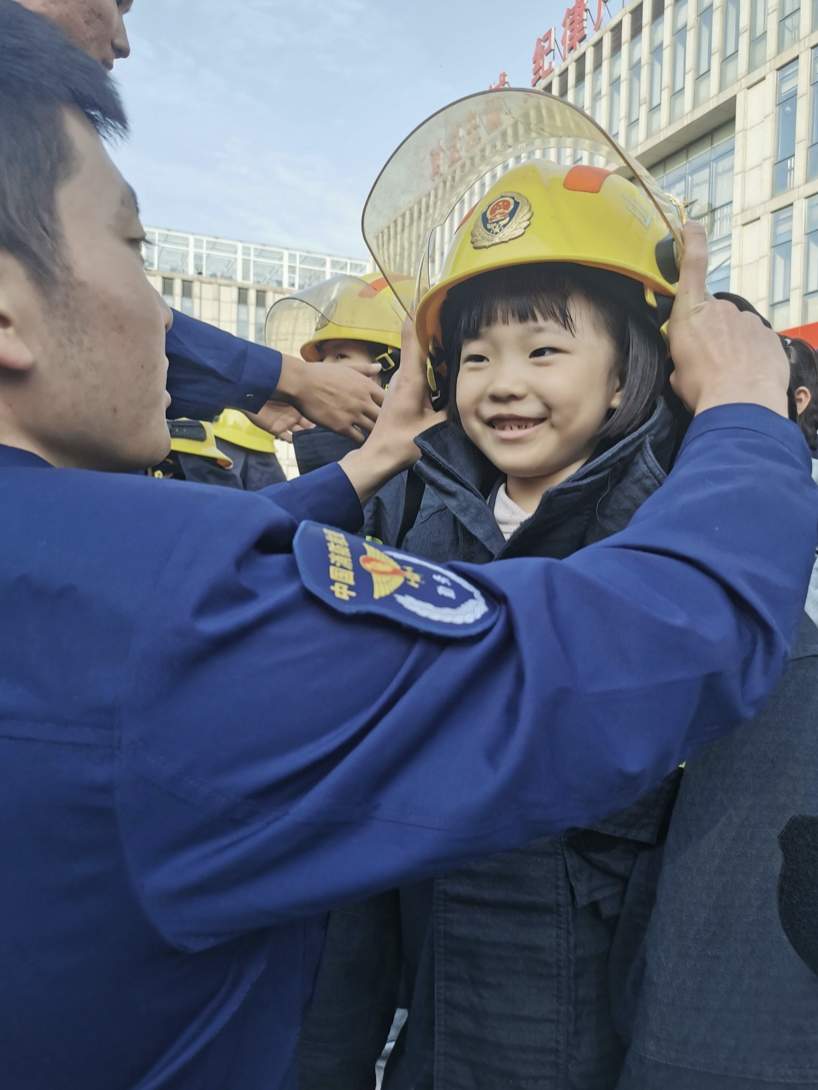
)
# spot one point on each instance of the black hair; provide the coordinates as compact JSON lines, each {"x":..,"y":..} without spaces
{"x":544,"y":292}
{"x":804,"y":372}
{"x":41,"y":74}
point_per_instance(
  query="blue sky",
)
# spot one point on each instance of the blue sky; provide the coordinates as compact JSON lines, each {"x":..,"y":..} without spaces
{"x":268,"y":121}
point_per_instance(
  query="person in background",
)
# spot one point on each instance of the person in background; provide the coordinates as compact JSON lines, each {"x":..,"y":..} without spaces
{"x":193,"y":451}
{"x":231,"y":451}
{"x":348,"y":320}
{"x":804,"y":387}
{"x":804,"y":390}
{"x":251,"y":449}
{"x":719,"y":997}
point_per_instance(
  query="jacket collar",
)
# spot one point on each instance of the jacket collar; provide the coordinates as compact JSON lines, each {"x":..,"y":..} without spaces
{"x":13,"y":457}
{"x":598,"y":500}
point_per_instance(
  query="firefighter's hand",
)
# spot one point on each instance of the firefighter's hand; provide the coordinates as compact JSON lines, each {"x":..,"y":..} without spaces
{"x":721,"y":355}
{"x":280,"y":419}
{"x":339,"y":398}
{"x":407,"y":411}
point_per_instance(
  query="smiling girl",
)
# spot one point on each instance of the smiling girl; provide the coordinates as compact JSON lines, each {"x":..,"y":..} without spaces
{"x":516,"y":969}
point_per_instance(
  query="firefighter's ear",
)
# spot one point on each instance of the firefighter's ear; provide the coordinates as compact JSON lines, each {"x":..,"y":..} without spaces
{"x":16,"y":304}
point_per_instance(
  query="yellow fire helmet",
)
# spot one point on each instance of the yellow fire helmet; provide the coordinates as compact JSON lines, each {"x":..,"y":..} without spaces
{"x":514,"y":177}
{"x":234,"y":427}
{"x":197,"y":437}
{"x":343,"y":308}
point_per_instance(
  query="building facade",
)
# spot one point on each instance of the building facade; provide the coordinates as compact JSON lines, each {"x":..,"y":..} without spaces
{"x":232,"y":285}
{"x":719,"y":99}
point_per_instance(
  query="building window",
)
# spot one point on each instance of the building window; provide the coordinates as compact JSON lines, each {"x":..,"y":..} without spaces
{"x":596,"y":95}
{"x":261,"y":315}
{"x":221,"y":260}
{"x":786,"y":102}
{"x":811,"y":261}
{"x":268,"y":272}
{"x":172,"y":253}
{"x":781,"y":268}
{"x":789,"y":18}
{"x":679,"y":59}
{"x":562,"y":84}
{"x":655,"y":88}
{"x":729,"y":65}
{"x":758,"y":32}
{"x":243,"y":315}
{"x":812,"y":150}
{"x":704,"y":49}
{"x":312,"y":269}
{"x":168,"y":290}
{"x":579,"y":83}
{"x":615,"y":99}
{"x":634,"y":88}
{"x":187,"y":298}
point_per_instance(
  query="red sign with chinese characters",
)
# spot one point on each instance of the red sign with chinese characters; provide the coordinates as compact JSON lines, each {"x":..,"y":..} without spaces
{"x":574,"y":32}
{"x":542,"y":62}
{"x":573,"y":27}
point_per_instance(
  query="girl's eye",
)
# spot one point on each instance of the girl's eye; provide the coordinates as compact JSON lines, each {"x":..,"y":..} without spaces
{"x":474,"y":357}
{"x":540,"y":353}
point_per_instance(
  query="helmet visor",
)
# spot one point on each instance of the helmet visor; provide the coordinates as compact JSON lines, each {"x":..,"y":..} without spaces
{"x":433,"y":179}
{"x":344,"y":307}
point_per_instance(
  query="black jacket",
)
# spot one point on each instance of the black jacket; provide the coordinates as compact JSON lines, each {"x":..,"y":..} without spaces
{"x":506,"y":963}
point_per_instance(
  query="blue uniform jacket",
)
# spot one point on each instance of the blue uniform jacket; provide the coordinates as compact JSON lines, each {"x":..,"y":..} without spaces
{"x":197,"y":757}
{"x":211,"y":370}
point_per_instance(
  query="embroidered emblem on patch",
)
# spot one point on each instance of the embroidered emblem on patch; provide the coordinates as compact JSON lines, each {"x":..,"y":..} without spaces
{"x":356,"y":576}
{"x":506,"y":218}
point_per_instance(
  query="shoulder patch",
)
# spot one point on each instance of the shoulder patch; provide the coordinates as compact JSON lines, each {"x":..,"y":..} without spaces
{"x":356,"y":576}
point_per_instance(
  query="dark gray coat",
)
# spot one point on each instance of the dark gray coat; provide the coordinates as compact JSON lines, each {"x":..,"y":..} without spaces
{"x":508,"y":962}
{"x":725,"y":1003}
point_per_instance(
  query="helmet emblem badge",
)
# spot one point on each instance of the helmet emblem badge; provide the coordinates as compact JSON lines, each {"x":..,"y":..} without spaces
{"x":506,"y":218}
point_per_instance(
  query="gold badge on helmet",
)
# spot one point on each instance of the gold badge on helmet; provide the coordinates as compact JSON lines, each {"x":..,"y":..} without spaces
{"x":507,"y":217}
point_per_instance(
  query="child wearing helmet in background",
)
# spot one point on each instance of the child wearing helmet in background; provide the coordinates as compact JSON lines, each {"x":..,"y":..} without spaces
{"x":526,"y":969}
{"x":349,"y":320}
{"x":195,"y":455}
{"x":231,"y":451}
{"x":252,"y":451}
